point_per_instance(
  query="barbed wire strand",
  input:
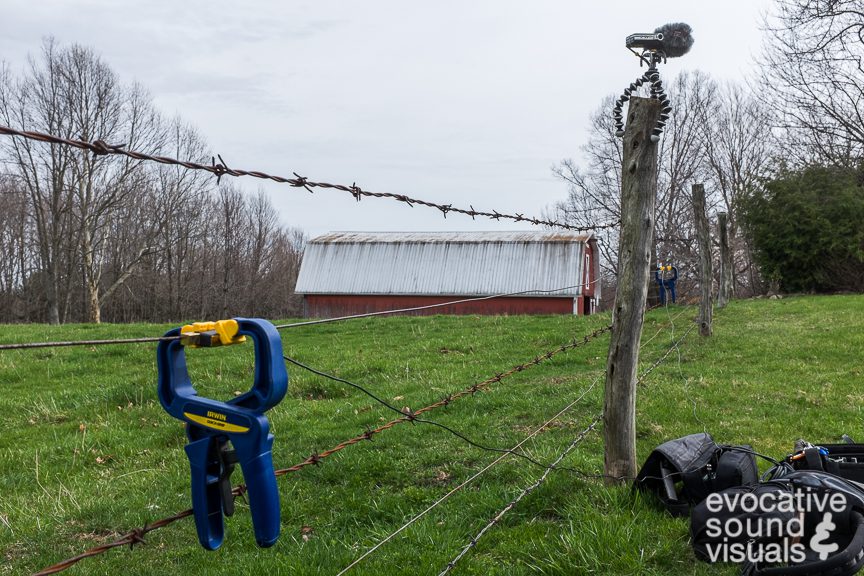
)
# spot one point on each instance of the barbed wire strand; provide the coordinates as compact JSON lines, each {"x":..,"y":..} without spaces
{"x":528,"y":490}
{"x":471,"y":479}
{"x":220,"y":169}
{"x":135,"y":536}
{"x":531,"y":488}
{"x":412,"y":416}
{"x":315,"y":458}
{"x":131,"y":538}
{"x":585,"y":475}
{"x":31,"y":345}
{"x":414,"y":519}
{"x":663,"y":358}
{"x":662,"y":326}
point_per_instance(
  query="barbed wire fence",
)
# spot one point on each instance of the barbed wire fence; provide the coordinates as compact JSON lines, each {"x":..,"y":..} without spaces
{"x":316,"y":458}
{"x":554,"y":465}
{"x":220,"y":169}
{"x":136,"y":536}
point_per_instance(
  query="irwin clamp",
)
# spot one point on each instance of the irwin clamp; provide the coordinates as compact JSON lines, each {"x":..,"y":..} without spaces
{"x":211,"y":425}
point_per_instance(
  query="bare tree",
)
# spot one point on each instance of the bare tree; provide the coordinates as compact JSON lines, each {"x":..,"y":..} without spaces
{"x":71,"y":92}
{"x":594,"y":187}
{"x":738,"y":146}
{"x":15,"y":256}
{"x":104,"y":185}
{"x":681,"y":164}
{"x":812,"y":75}
{"x":594,"y":191}
{"x":182,"y":202}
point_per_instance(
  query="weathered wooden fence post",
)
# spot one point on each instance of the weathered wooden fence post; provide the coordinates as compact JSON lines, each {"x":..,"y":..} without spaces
{"x":638,"y":198}
{"x":727,"y":289}
{"x":706,"y":276}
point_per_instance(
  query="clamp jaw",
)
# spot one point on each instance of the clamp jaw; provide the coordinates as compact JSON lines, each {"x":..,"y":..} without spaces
{"x":211,"y":425}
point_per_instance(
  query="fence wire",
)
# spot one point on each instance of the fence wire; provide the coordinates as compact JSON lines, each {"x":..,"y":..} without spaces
{"x":150,"y":339}
{"x":572,"y":446}
{"x":554,"y":466}
{"x":512,"y":504}
{"x":136,"y":536}
{"x":462,"y":485}
{"x":220,"y":169}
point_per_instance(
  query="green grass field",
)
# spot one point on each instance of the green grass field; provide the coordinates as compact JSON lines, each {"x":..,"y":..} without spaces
{"x":87,"y":453}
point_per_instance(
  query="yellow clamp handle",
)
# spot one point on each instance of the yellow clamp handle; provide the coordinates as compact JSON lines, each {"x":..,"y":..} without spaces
{"x":207,"y":334}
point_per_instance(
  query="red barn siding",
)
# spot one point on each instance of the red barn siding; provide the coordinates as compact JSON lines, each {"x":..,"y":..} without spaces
{"x":330,"y":306}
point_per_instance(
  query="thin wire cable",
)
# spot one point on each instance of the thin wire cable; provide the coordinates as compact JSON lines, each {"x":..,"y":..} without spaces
{"x":684,"y":378}
{"x":662,"y":359}
{"x":662,"y":328}
{"x":412,"y":417}
{"x":316,"y":458}
{"x":459,"y":487}
{"x":32,"y":345}
{"x":528,"y":490}
{"x":220,"y":169}
{"x":429,"y":306}
{"x":471,"y":479}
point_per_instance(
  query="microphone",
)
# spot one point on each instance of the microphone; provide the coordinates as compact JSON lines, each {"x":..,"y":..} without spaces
{"x":677,"y":39}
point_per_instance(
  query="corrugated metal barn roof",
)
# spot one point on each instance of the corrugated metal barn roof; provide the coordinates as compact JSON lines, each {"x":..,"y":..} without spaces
{"x":443,"y":263}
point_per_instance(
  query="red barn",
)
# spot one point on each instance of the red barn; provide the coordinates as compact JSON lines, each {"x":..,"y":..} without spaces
{"x":346,"y":273}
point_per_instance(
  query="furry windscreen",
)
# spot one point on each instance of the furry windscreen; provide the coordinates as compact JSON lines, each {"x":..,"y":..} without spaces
{"x":676,"y":39}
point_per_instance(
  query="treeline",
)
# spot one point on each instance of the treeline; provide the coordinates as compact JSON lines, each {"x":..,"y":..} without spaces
{"x":105,"y":238}
{"x":781,"y":153}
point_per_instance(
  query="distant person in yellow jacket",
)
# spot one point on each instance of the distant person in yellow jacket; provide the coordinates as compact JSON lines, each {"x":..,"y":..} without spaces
{"x":666,"y":277}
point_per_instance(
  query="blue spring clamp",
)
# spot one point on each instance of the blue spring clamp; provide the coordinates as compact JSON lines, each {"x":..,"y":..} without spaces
{"x":211,"y":424}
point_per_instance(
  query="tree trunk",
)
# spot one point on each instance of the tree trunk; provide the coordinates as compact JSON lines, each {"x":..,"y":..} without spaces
{"x":91,"y":284}
{"x":706,"y":276}
{"x":727,"y":285}
{"x":638,"y":200}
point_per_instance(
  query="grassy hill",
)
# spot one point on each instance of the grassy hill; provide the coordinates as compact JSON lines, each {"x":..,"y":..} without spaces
{"x":87,"y":453}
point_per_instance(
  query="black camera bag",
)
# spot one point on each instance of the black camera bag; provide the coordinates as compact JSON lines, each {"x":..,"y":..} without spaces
{"x":848,"y":533}
{"x":683,"y":472}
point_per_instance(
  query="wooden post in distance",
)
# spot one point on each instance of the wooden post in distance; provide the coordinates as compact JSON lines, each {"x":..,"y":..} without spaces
{"x":726,"y":291}
{"x":706,"y":275}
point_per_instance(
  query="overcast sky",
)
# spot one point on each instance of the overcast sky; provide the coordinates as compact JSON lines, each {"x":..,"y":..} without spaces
{"x":462,"y":102}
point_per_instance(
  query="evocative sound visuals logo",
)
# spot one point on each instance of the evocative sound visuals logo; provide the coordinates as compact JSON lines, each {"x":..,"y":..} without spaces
{"x":772,"y":527}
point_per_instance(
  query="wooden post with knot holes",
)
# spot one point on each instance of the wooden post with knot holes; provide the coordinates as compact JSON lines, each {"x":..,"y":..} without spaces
{"x":727,"y":288}
{"x":706,"y":275}
{"x":638,"y":198}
